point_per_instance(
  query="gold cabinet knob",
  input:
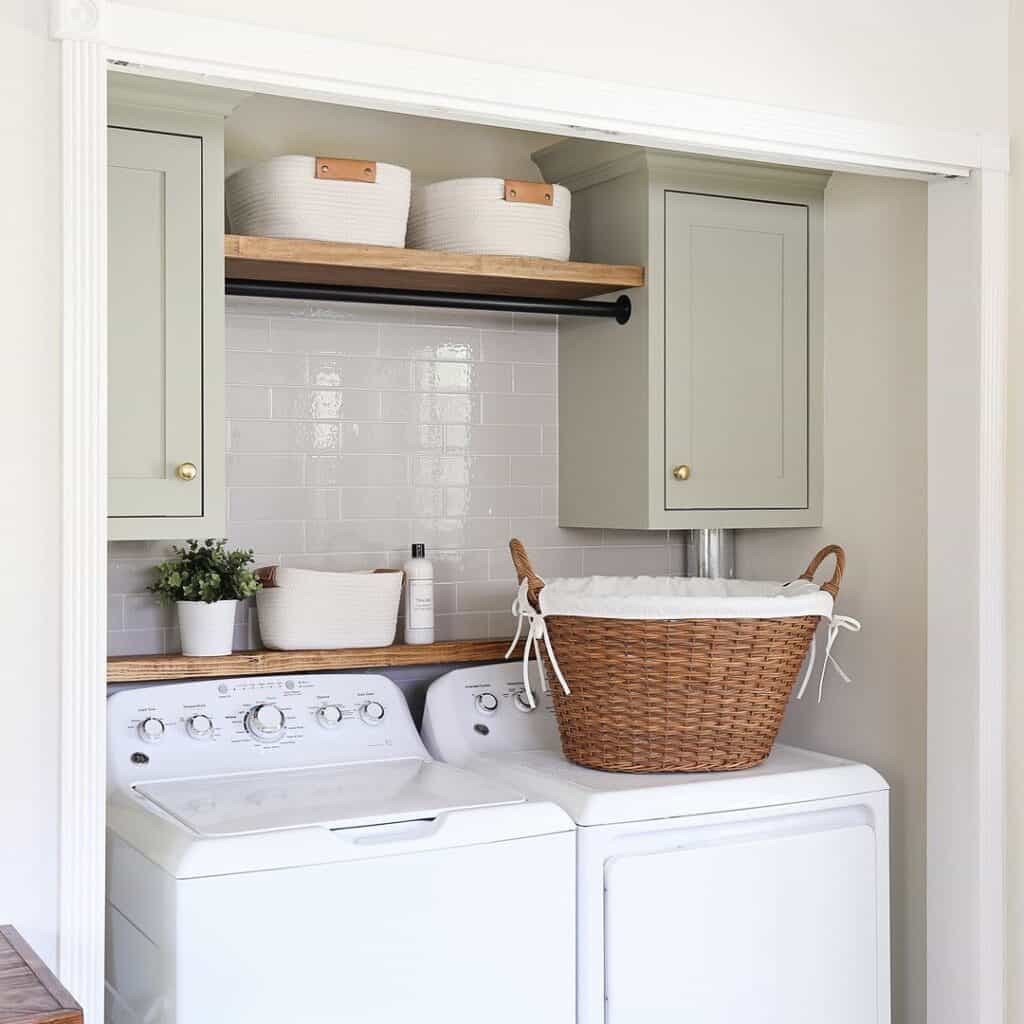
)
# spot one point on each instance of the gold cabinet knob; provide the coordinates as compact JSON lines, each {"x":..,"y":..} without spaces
{"x":681,"y":472}
{"x":187,"y":471}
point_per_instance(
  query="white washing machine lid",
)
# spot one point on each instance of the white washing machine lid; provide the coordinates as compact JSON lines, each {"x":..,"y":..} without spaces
{"x":592,"y":797}
{"x":339,"y":796}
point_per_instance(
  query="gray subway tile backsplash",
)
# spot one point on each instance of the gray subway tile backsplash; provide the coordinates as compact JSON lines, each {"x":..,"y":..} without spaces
{"x":354,"y":431}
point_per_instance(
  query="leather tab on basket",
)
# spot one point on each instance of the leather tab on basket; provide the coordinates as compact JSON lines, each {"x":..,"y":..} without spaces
{"x":537,"y":192}
{"x":267,"y":575}
{"x":336,"y":168}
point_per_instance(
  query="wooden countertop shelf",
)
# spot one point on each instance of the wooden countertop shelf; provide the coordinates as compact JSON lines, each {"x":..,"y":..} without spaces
{"x":300,"y":261}
{"x":165,"y":667}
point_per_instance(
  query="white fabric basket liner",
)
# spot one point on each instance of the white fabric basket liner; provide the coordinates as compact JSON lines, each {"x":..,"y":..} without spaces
{"x":472,"y":215}
{"x":667,"y":597}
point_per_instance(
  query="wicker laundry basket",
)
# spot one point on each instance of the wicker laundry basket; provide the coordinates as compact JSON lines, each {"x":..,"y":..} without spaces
{"x":674,"y":695}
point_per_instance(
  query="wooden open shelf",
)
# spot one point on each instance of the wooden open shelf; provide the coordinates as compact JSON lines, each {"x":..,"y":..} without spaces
{"x":165,"y":667}
{"x":300,"y":261}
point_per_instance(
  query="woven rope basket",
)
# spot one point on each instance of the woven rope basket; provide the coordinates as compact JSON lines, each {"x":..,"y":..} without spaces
{"x":675,"y":695}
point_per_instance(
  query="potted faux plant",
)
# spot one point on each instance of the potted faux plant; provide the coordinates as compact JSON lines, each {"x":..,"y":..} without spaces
{"x":206,"y":582}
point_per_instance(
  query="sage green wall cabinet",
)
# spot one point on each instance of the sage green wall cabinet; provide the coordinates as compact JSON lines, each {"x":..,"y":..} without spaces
{"x":165,"y":311}
{"x":705,"y":410}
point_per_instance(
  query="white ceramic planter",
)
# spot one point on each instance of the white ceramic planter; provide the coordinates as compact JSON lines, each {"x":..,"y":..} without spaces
{"x":206,"y":629}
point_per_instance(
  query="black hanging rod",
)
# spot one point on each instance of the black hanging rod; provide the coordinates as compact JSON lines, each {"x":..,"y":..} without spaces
{"x":620,"y":309}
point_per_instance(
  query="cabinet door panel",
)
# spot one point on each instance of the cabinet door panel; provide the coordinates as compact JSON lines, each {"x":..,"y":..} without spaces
{"x":736,"y":352}
{"x":155,"y":322}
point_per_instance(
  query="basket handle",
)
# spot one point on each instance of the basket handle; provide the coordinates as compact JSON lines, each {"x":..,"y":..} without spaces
{"x":832,"y":587}
{"x":524,"y":571}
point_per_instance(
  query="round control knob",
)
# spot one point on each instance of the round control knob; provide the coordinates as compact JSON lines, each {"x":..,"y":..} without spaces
{"x":486,"y":703}
{"x":151,"y":730}
{"x":199,"y":727}
{"x":372,"y":712}
{"x":329,"y":716}
{"x":522,"y":702}
{"x":265,"y":722}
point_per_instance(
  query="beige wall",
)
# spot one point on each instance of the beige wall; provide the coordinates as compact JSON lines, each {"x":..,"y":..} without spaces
{"x":30,"y":492}
{"x":875,"y":266}
{"x":266,"y":126}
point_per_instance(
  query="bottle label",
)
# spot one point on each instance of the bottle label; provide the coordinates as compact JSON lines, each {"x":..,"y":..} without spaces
{"x":419,"y":604}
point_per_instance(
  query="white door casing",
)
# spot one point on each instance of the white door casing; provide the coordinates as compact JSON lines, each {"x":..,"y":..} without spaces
{"x":967,"y":323}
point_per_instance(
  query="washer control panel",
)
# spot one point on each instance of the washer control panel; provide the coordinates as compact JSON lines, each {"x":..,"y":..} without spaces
{"x":485,"y":710}
{"x":215,"y":726}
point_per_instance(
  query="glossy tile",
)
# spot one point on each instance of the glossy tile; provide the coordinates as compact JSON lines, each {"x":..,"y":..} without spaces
{"x":420,"y":408}
{"x":247,"y":333}
{"x":256,"y":504}
{"x":282,"y":538}
{"x":330,"y":371}
{"x":636,"y":561}
{"x":423,"y":341}
{"x":141,"y":611}
{"x":516,"y":409}
{"x":122,"y":642}
{"x":540,"y":470}
{"x":282,"y":436}
{"x":492,"y":501}
{"x":413,"y":502}
{"x":355,"y":468}
{"x":534,"y":379}
{"x":262,"y":468}
{"x":479,"y":378}
{"x":390,"y":437}
{"x":486,"y":595}
{"x":324,"y":404}
{"x":523,"y":346}
{"x":356,"y":430}
{"x":247,"y":402}
{"x":358,"y":535}
{"x":265,"y":368}
{"x":324,"y":335}
{"x":520,"y":438}
{"x":461,"y":469}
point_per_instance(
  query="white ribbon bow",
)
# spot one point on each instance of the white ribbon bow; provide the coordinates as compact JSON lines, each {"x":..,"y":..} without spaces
{"x":836,"y":623}
{"x":522,"y":609}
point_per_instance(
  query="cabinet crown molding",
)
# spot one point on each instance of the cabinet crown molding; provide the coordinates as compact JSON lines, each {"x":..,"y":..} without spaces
{"x":581,"y":163}
{"x":132,"y":89}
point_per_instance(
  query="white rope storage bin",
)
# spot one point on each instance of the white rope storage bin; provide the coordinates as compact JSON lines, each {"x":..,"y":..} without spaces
{"x":323,"y":198}
{"x":491,"y":217}
{"x":302,"y":609}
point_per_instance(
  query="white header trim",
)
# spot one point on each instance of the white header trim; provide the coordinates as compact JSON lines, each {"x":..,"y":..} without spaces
{"x":320,"y":67}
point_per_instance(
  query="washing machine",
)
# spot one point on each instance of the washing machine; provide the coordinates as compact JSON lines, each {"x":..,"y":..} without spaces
{"x":284,"y":848}
{"x":758,"y":895}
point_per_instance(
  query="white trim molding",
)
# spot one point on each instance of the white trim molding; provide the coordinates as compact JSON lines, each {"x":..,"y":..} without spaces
{"x":325,"y":68}
{"x":967,"y":349}
{"x":84,"y":519}
{"x":967,"y":343}
{"x":993,"y":309}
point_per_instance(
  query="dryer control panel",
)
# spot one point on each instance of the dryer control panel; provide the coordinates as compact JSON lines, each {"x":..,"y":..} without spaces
{"x":474,"y":711}
{"x":217,"y":726}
